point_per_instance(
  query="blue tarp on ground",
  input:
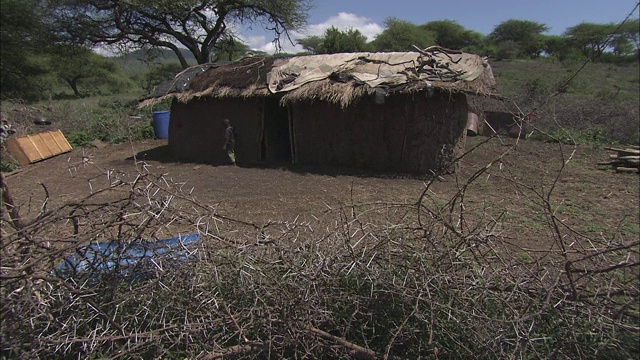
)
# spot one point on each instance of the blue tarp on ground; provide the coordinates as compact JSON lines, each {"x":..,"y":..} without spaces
{"x":128,"y":260}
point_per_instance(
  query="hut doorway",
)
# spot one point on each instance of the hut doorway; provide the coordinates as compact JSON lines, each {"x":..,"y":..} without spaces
{"x":276,"y":139}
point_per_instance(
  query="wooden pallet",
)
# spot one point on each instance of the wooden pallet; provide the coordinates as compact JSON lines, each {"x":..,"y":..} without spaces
{"x":32,"y":148}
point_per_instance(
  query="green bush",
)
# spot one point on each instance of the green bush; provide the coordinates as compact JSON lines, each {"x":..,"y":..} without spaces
{"x":8,"y":166}
{"x":137,"y":133}
{"x":111,"y":119}
{"x":80,"y":138}
{"x":110,"y":130}
{"x":591,"y":136}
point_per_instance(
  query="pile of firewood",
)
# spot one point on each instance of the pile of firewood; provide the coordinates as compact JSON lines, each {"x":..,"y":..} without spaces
{"x":625,"y":160}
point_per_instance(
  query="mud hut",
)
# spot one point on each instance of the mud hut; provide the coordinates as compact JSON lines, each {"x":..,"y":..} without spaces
{"x":398,"y":111}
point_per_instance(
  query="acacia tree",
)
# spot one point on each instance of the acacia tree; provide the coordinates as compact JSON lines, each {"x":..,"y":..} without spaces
{"x":559,"y":47}
{"x":631,"y":31}
{"x":78,"y":66}
{"x":312,"y":44}
{"x":622,"y":46}
{"x":590,"y":38}
{"x":23,"y":36}
{"x":228,"y":48}
{"x":401,"y":35}
{"x":523,"y":35}
{"x":450,"y":34}
{"x":196,"y":25}
{"x":335,"y":41}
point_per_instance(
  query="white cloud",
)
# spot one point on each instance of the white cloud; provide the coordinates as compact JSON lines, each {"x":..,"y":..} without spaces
{"x":343,"y":21}
{"x":261,"y":43}
{"x":254,"y":42}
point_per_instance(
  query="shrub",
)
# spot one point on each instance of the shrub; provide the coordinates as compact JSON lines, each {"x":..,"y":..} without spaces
{"x":8,"y":166}
{"x":112,"y":119}
{"x":80,"y":138}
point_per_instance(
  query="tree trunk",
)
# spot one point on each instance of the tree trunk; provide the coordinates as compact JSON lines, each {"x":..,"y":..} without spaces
{"x":203,"y":57}
{"x":183,"y":61}
{"x":73,"y":83}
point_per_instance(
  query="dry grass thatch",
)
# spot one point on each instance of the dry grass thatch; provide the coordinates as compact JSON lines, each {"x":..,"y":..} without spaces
{"x":342,"y":94}
{"x":249,"y":77}
{"x":246,"y":73}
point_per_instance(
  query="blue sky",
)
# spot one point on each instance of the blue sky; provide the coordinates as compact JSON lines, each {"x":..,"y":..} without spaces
{"x":369,"y":16}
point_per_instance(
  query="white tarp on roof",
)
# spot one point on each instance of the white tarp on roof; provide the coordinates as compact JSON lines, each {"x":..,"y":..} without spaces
{"x":376,"y":69}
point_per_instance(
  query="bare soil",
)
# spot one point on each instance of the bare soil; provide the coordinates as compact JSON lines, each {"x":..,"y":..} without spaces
{"x":591,"y":200}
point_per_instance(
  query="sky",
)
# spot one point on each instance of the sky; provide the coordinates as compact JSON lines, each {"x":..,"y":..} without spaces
{"x":368,"y":16}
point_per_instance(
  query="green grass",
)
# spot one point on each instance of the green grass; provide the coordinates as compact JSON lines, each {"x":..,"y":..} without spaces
{"x":591,"y":136}
{"x":630,"y":228}
{"x":543,"y":76}
{"x":593,"y":228}
{"x":8,"y":166}
{"x":599,"y":106}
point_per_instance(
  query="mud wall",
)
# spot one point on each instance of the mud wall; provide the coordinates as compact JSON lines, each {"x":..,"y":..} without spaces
{"x":196,"y":131}
{"x":408,"y":133}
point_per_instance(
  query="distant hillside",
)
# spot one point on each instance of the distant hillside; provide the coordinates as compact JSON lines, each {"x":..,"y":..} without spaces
{"x":162,"y":55}
{"x":600,"y":103}
{"x":137,"y":63}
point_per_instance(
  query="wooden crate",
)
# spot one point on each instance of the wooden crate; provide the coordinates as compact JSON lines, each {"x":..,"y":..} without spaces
{"x":31,"y":148}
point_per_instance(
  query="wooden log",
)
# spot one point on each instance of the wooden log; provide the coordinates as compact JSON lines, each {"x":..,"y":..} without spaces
{"x":626,"y":170}
{"x":612,"y":163}
{"x":627,"y":151}
{"x":632,"y":157}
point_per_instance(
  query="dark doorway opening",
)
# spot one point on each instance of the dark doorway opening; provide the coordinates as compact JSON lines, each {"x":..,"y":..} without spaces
{"x":276,"y":139}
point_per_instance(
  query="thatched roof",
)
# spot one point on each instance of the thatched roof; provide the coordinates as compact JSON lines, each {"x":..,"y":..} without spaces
{"x":336,"y":78}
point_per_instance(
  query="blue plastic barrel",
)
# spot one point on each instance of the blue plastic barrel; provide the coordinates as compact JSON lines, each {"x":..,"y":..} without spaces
{"x":161,"y":124}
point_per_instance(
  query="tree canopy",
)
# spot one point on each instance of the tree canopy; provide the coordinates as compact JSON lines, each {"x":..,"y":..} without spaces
{"x":80,"y":67}
{"x":335,"y":41}
{"x":229,"y":49}
{"x":196,"y":25}
{"x":524,"y":36}
{"x":22,"y":36}
{"x":631,"y":30}
{"x":590,"y":38}
{"x":451,"y":35}
{"x":401,"y":35}
{"x":312,"y":44}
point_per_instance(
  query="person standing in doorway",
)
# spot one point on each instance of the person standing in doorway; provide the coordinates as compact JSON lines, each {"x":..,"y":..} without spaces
{"x":229,"y":140}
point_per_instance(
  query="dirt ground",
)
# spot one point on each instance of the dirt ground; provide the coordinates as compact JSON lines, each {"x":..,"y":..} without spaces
{"x":591,"y":200}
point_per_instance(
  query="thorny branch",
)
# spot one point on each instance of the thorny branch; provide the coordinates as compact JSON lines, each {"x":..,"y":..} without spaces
{"x":381,"y":280}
